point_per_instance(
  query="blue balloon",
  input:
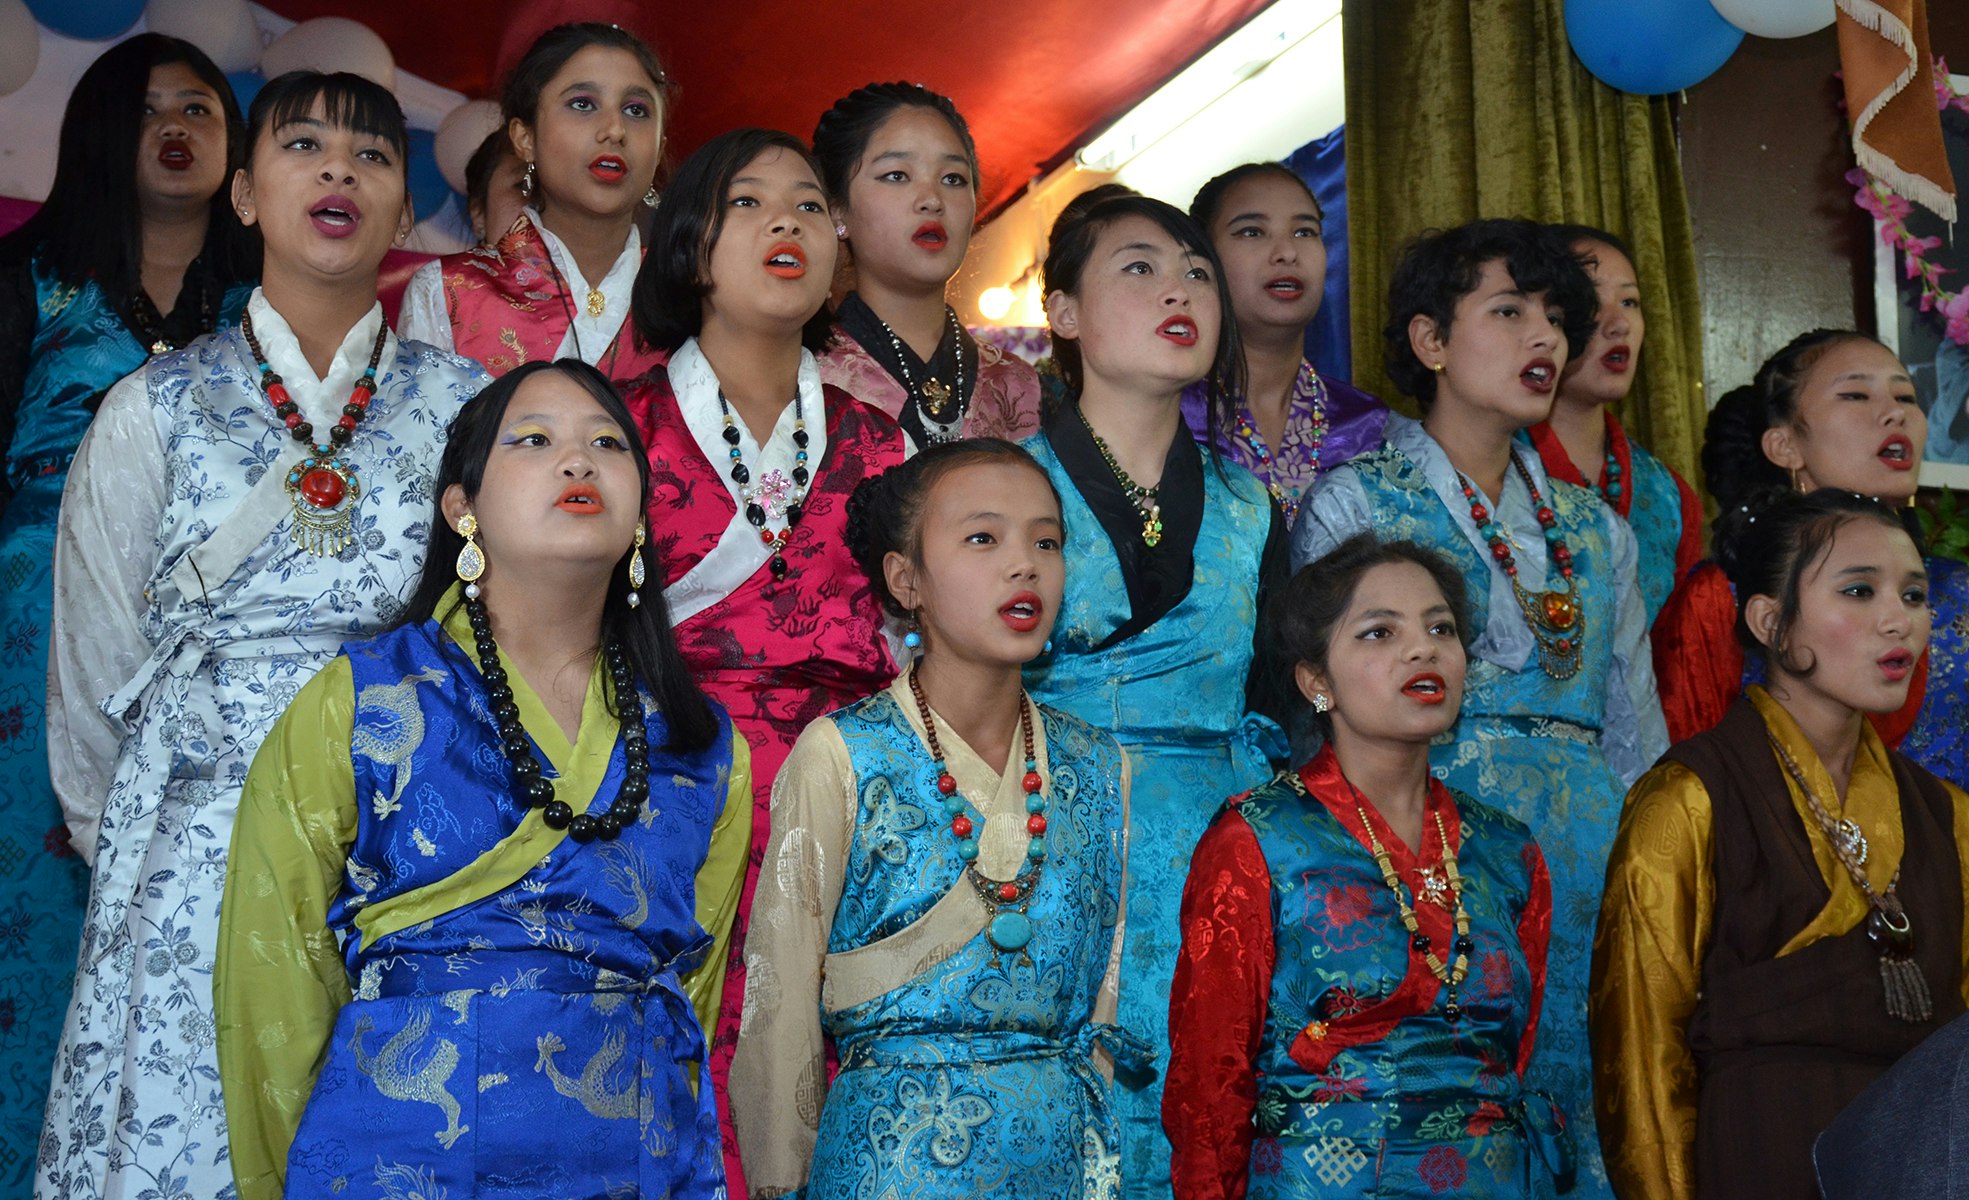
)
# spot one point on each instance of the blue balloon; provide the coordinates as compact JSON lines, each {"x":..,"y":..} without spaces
{"x":1650,"y":47}
{"x":245,"y":86}
{"x":428,"y":189}
{"x":87,"y":20}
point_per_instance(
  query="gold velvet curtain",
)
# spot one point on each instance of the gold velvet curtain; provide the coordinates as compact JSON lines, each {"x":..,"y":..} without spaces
{"x":1458,"y":109}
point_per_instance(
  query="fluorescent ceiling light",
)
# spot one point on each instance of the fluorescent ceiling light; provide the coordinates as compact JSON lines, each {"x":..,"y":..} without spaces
{"x":1241,"y":55}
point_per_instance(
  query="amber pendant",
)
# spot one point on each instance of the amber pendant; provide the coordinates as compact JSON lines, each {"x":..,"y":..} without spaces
{"x":324,"y":490}
{"x":936,"y":397}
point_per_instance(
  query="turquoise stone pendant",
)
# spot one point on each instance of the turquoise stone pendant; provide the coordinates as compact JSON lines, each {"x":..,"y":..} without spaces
{"x":1009,"y":932}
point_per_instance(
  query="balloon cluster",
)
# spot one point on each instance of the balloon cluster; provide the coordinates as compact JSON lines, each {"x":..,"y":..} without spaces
{"x":227,"y":31}
{"x":1659,"y":46}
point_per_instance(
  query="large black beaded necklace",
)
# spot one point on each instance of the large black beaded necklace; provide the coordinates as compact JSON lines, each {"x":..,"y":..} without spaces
{"x":536,"y":790}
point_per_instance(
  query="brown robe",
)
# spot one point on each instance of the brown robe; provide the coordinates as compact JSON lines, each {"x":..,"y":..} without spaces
{"x":1782,"y":1044}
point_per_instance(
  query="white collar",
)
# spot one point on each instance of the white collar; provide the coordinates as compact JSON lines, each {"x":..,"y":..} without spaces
{"x":320,"y":398}
{"x":696,"y":387}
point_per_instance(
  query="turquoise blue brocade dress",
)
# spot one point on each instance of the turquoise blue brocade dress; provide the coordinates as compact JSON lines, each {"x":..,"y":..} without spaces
{"x":1558,"y":755}
{"x":964,"y":1070}
{"x":1173,"y":691}
{"x":1314,"y":1056}
{"x":75,"y":347}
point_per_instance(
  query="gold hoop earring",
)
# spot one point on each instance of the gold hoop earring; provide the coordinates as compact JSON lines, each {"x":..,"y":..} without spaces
{"x":636,"y":575}
{"x":471,"y":559}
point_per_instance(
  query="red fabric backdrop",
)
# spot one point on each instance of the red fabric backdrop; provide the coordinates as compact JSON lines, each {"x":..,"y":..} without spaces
{"x":1035,"y":78}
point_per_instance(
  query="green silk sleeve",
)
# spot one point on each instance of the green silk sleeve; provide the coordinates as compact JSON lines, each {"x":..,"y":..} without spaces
{"x":279,"y":980}
{"x":719,"y":882}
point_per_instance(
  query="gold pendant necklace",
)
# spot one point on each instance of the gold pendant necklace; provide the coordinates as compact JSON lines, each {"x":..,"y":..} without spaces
{"x":597,"y":303}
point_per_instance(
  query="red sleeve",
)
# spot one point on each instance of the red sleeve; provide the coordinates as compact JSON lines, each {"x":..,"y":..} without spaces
{"x":1698,"y":664}
{"x":1535,"y":937}
{"x":1688,"y":551}
{"x":1217,"y":1013}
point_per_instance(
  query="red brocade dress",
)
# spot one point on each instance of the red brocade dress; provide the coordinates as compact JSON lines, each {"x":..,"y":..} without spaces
{"x":777,"y":653}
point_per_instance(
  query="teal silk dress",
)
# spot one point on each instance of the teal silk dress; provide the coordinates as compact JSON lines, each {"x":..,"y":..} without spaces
{"x":1158,"y":646}
{"x":1557,"y":754}
{"x":966,"y":1068}
{"x":1313,"y":1056}
{"x":72,"y":345}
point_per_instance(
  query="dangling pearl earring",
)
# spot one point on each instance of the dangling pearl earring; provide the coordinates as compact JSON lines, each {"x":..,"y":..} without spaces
{"x":636,"y":574}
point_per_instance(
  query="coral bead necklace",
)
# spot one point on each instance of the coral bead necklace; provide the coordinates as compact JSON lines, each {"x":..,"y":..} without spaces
{"x":323,"y":488}
{"x":1007,"y":926}
{"x":1558,"y":623}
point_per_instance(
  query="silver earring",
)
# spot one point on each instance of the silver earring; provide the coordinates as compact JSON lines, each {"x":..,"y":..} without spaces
{"x":1321,"y":703}
{"x":650,"y":197}
{"x":526,"y":181}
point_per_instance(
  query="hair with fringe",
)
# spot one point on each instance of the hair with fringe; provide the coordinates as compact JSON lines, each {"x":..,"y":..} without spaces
{"x":643,"y":630}
{"x":1766,"y":544}
{"x":348,"y":101}
{"x":842,"y":136}
{"x":1438,"y":269}
{"x":885,"y":511}
{"x":91,"y":224}
{"x":668,"y":300}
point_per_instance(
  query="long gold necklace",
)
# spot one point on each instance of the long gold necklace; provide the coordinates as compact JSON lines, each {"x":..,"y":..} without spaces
{"x":1145,"y":499}
{"x":1451,"y":975}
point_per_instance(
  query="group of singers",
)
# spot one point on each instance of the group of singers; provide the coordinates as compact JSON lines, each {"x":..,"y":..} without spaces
{"x":652,"y":724}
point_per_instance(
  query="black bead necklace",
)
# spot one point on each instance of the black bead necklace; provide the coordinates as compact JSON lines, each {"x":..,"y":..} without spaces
{"x":536,"y":790}
{"x":769,"y":491}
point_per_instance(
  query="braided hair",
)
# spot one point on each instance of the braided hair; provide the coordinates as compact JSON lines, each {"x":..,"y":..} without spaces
{"x":842,"y":136}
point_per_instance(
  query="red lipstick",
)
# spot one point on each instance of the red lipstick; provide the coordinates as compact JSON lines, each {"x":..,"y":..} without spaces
{"x":1618,"y":359}
{"x":931,"y":235}
{"x":608,"y":168}
{"x":176,"y":156}
{"x":1022,"y":612}
{"x":1178,"y":329}
{"x":1897,"y":452}
{"x":1426,"y":688}
{"x":581,"y":498}
{"x":1286,"y":287}
{"x":1540,"y":374}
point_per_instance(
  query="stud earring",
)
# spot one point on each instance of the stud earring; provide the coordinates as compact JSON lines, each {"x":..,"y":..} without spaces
{"x":1436,"y":367}
{"x":650,"y":197}
{"x":1048,"y":648}
{"x":526,"y":181}
{"x":471,"y":559}
{"x":636,"y":575}
{"x":1321,"y":704}
{"x":840,"y":229}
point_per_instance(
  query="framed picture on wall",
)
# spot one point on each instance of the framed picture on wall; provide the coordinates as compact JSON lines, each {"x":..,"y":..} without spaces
{"x":1940,"y":367}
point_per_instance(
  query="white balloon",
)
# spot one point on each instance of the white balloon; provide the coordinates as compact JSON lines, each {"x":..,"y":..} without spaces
{"x":20,"y":46}
{"x":331,"y":44}
{"x":459,"y":135}
{"x":1776,"y":18}
{"x":224,"y":29}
